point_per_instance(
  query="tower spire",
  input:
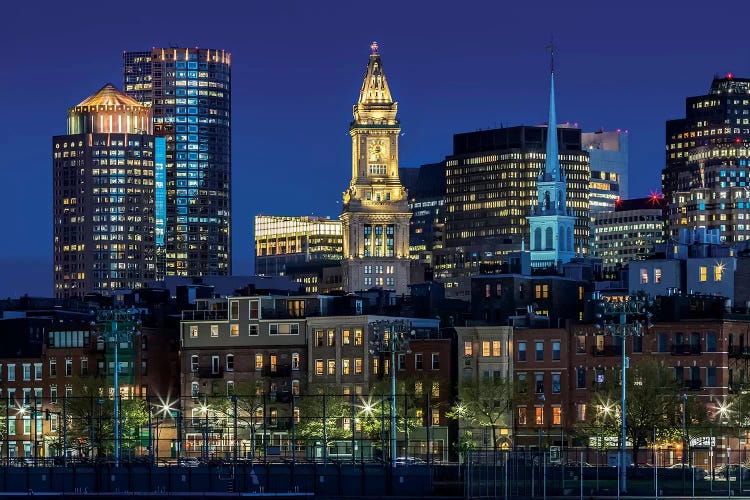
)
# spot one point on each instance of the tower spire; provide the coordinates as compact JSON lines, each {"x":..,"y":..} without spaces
{"x":552,"y":164}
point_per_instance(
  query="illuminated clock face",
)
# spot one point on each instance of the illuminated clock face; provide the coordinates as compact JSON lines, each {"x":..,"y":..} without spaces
{"x":377,"y":150}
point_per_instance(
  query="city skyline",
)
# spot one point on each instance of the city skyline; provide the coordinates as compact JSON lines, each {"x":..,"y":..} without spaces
{"x":451,"y":71}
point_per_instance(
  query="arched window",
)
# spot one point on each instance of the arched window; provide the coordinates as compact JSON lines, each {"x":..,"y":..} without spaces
{"x":537,"y":243}
{"x":548,"y":237}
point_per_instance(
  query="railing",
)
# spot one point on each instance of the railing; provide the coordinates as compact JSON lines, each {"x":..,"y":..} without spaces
{"x":693,"y":385}
{"x":606,"y":350}
{"x":276,"y":371}
{"x":205,"y":315}
{"x":209,"y":373}
{"x":685,"y":349}
{"x":739,"y":351}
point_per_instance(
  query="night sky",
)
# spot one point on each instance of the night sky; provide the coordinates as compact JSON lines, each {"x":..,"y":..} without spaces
{"x":296,"y":72}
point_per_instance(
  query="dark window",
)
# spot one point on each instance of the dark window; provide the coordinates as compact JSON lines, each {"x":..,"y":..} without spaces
{"x":711,"y":376}
{"x":637,"y":344}
{"x":539,"y":378}
{"x":522,"y":351}
{"x":540,"y":351}
{"x":710,"y":342}
{"x":678,"y":373}
{"x":581,"y":377}
{"x":663,"y":342}
{"x":556,"y":350}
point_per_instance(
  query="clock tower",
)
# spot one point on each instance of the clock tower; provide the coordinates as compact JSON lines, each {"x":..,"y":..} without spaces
{"x":376,"y":215}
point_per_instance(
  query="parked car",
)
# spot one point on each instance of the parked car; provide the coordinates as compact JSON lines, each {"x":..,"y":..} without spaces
{"x":734,"y":471}
{"x":699,"y":472}
{"x":188,"y":462}
{"x":409,"y":461}
{"x":576,"y":465}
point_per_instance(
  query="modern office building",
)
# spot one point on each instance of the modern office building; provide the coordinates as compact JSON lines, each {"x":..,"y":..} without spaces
{"x":376,"y":215}
{"x":712,"y":123}
{"x":629,"y":232}
{"x":104,"y":196}
{"x":722,"y":200}
{"x":426,"y":188}
{"x":281,"y":240}
{"x":189,"y":92}
{"x":608,"y":157}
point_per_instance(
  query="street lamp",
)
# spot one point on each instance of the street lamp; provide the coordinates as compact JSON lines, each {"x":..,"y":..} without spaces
{"x":118,"y":325}
{"x":623,"y":318}
{"x":391,"y":337}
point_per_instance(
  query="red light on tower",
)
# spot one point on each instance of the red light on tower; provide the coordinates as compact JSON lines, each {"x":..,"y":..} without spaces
{"x":737,"y":140}
{"x":729,"y":76}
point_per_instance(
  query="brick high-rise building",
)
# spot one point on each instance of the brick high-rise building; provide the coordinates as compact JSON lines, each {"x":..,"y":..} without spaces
{"x":104,"y":196}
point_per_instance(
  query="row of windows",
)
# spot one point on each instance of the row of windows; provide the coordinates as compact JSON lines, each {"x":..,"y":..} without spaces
{"x":273,"y":360}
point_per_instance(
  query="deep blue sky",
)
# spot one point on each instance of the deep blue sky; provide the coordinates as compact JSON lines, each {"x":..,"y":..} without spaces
{"x":297,"y":68}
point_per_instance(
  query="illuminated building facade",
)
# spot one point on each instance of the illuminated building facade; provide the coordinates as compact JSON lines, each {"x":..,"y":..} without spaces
{"x":281,"y":241}
{"x":722,"y":200}
{"x":491,"y":185}
{"x":713,"y":123}
{"x":376,"y":215}
{"x":608,"y":159}
{"x":189,"y":91}
{"x":551,"y":221}
{"x":426,"y":188}
{"x":630,"y":232}
{"x":104,"y":196}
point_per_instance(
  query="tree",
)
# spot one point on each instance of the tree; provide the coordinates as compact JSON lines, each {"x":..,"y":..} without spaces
{"x":321,"y":414}
{"x":250,"y":410}
{"x":91,"y":414}
{"x":652,"y":406}
{"x":486,"y":404}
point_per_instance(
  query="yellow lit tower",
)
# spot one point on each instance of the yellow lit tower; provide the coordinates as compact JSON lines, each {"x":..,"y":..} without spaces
{"x":375,"y":219}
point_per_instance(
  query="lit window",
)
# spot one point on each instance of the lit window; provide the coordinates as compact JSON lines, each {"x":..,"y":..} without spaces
{"x":358,"y":366}
{"x":331,"y":367}
{"x":345,"y":366}
{"x":346,"y":337}
{"x":193,"y":331}
{"x":702,"y":273}
{"x":718,"y":272}
{"x":522,"y":416}
{"x":357,"y":337}
{"x":318,"y":367}
{"x":581,"y":412}
{"x":418,"y":388}
{"x":496,"y":348}
{"x":644,"y":276}
{"x":539,"y":415}
{"x":556,"y":415}
{"x":657,"y":275}
{"x":467,"y":349}
{"x":234,"y":331}
{"x":436,"y":389}
{"x":258,"y":361}
{"x":485,"y":349}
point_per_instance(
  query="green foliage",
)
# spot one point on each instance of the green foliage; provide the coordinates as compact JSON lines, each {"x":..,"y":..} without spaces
{"x":485,"y":404}
{"x":322,"y":412}
{"x":653,"y":406}
{"x":91,"y":415}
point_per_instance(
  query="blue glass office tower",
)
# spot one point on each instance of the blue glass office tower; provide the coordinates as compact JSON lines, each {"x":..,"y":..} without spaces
{"x":189,"y":91}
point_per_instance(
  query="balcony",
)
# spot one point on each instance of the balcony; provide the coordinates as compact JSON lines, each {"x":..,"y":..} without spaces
{"x":209,"y":373}
{"x":739,"y":351}
{"x":606,"y":350}
{"x":685,"y":349}
{"x":276,"y":371}
{"x":204,"y":315}
{"x":693,"y":385}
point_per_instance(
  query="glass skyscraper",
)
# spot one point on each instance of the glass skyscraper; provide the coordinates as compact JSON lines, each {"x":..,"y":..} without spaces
{"x":189,"y":91}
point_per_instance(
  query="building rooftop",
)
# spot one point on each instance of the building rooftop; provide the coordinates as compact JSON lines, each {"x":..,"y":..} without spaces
{"x":109,"y":95}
